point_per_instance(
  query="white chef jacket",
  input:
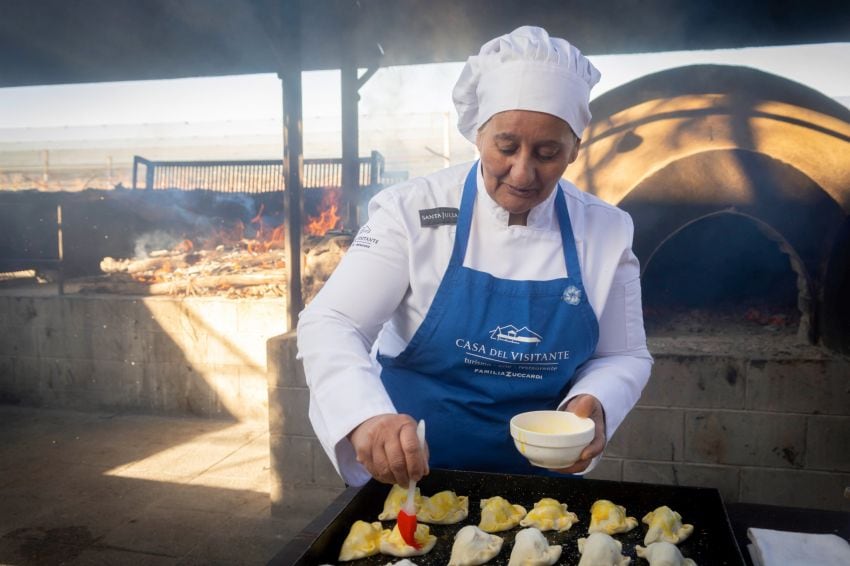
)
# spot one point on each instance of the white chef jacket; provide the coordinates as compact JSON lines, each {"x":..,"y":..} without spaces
{"x":384,"y":285}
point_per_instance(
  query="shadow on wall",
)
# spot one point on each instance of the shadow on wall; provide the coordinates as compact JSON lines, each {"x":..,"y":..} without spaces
{"x":697,"y":143}
{"x":202,"y":356}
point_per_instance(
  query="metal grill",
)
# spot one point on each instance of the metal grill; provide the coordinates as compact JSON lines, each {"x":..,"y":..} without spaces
{"x":254,"y":176}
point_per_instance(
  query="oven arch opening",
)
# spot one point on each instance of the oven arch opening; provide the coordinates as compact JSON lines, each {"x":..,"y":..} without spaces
{"x":726,"y":273}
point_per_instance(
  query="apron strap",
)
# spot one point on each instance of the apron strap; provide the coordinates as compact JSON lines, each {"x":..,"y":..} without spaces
{"x":568,"y":242}
{"x":464,"y":218}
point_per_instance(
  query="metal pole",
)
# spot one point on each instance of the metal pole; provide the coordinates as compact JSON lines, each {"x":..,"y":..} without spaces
{"x":350,"y":141}
{"x":293,"y":157}
{"x":60,"y":244}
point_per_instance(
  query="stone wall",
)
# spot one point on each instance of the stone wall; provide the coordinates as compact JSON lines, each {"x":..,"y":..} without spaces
{"x":198,"y":356}
{"x":761,"y":430}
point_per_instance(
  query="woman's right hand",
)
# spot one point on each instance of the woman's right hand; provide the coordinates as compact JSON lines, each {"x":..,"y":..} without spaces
{"x":387,"y":446}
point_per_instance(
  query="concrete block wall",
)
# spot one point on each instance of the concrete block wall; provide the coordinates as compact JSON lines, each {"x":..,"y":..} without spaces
{"x":771,"y":431}
{"x":198,"y":356}
{"x":303,"y":480}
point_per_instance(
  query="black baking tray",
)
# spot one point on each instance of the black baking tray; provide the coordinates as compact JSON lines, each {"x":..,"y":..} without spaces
{"x":712,"y":541}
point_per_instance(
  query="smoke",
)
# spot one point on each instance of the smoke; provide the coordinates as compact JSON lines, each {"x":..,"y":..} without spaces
{"x":204,"y":217}
{"x":152,"y":241}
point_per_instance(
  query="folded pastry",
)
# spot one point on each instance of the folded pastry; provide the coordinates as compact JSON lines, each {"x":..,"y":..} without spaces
{"x":532,"y":549}
{"x":363,"y":540}
{"x":600,"y":549}
{"x":606,"y":517}
{"x":392,"y":543}
{"x":663,"y":554}
{"x":497,"y":514}
{"x":395,"y":501}
{"x":550,"y":515}
{"x":665,"y":525}
{"x":443,"y":508}
{"x":473,"y":546}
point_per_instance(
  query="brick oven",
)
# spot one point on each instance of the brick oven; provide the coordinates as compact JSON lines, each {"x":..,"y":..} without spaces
{"x":739,"y":186}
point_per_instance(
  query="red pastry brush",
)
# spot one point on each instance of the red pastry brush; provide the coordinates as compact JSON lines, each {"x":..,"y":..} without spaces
{"x":407,"y":514}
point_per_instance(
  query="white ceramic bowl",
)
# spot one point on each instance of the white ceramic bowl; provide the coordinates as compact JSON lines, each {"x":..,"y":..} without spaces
{"x":551,"y":439}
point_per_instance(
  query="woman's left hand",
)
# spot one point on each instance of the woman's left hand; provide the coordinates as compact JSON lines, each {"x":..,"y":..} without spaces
{"x":590,"y":407}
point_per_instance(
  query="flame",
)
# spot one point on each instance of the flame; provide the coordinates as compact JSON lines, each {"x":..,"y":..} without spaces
{"x":161,"y":274}
{"x":328,"y":218}
{"x":266,"y":238}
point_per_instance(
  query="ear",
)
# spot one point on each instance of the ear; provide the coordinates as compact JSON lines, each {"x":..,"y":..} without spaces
{"x":574,"y":152}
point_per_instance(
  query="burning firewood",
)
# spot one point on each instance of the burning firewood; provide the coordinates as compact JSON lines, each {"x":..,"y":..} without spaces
{"x":110,"y":265}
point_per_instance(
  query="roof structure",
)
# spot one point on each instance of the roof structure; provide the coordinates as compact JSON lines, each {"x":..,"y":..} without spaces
{"x":62,"y":41}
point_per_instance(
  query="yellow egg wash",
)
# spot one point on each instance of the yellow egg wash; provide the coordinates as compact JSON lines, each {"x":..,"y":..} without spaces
{"x":553,"y":426}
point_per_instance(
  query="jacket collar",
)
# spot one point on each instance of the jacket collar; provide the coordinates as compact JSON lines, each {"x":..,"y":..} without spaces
{"x":541,"y":217}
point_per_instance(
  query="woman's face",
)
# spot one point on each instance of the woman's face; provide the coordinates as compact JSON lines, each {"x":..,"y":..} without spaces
{"x":523,"y":154}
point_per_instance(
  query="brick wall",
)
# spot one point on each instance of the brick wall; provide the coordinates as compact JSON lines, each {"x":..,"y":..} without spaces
{"x":774,"y":431}
{"x":201,"y":356}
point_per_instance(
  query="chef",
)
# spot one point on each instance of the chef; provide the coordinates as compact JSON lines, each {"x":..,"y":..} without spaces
{"x":483,"y":290}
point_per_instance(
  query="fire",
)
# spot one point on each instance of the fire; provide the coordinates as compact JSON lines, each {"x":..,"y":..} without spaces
{"x":236,"y":257}
{"x":266,"y":238}
{"x":328,"y":218}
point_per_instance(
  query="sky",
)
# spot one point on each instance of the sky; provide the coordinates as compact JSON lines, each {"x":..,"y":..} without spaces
{"x":397,"y":90}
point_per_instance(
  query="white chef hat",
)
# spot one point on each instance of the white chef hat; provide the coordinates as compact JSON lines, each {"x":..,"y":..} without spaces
{"x":525,"y":70}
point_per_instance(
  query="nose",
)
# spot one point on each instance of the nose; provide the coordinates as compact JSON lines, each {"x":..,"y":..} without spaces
{"x":522,"y":172}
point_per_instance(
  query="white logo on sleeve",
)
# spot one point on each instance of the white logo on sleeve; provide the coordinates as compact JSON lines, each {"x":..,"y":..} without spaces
{"x":363,"y":239}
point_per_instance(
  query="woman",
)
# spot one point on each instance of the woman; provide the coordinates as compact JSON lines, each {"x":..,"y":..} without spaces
{"x":483,"y":290}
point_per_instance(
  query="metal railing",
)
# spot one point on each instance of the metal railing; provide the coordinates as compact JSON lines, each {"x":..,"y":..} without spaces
{"x":249,"y":176}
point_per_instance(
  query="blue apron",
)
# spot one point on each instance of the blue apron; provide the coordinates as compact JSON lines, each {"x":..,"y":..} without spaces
{"x":489,"y":349}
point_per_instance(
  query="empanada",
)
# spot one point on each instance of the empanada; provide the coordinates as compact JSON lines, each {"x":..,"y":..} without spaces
{"x":443,"y":508}
{"x":497,"y":514}
{"x":600,"y":549}
{"x":665,"y":525}
{"x":392,"y":543}
{"x":473,"y":546}
{"x":550,"y":515}
{"x":608,"y":518}
{"x":663,"y":554}
{"x":395,"y":501}
{"x":363,"y":540}
{"x":532,"y":549}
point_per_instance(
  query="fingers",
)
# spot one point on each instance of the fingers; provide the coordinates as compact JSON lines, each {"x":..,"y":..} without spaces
{"x":387,"y":446}
{"x":588,"y":406}
{"x":413,"y":463}
{"x":583,"y":405}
